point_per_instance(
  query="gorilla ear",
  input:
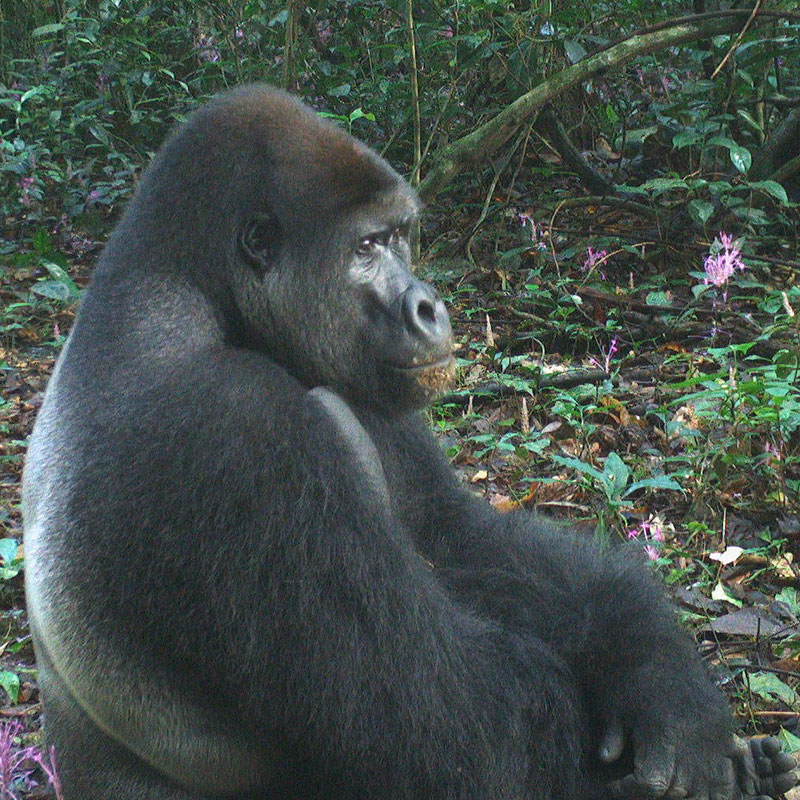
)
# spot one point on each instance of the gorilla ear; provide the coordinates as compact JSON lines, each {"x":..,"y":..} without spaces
{"x":260,"y":240}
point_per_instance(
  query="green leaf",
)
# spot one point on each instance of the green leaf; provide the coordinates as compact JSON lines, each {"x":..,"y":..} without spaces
{"x":42,"y":243}
{"x":749,"y":119}
{"x":62,"y":287}
{"x":656,"y":482}
{"x":11,"y":563}
{"x":582,"y":467}
{"x":722,"y":141}
{"x":700,"y":211}
{"x":359,"y":113}
{"x":574,"y":50}
{"x":785,"y":363}
{"x":639,"y":135}
{"x":8,"y":550}
{"x":35,"y":92}
{"x":658,"y":298}
{"x":789,"y":595}
{"x":44,"y":30}
{"x":770,"y":686}
{"x":660,"y":185}
{"x":616,"y":473}
{"x":686,"y":139}
{"x":10,"y":682}
{"x":100,"y":134}
{"x":790,"y":742}
{"x":53,"y":290}
{"x":720,"y":592}
{"x":772,"y":188}
{"x":741,"y":158}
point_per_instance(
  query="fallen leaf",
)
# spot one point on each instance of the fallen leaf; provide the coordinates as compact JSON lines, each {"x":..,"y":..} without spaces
{"x":729,"y":556}
{"x":721,"y":593}
{"x":746,"y":622}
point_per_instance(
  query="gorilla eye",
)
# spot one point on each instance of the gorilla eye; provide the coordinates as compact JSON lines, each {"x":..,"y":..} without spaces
{"x":366,"y":247}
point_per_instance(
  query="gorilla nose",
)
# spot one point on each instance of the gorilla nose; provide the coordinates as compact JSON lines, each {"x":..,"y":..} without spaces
{"x":426,"y":317}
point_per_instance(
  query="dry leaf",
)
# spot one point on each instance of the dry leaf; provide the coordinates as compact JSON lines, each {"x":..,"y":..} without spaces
{"x":730,"y":555}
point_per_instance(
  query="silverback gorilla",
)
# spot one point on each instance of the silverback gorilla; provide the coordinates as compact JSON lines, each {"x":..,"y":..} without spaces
{"x":250,"y":571}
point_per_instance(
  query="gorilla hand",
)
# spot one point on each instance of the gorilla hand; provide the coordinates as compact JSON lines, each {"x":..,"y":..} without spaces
{"x":753,"y":768}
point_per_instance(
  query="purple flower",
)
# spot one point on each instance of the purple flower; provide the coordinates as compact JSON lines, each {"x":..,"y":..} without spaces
{"x":648,"y":531}
{"x":16,"y":764}
{"x":324,"y":30}
{"x":537,"y":235}
{"x":593,"y":259}
{"x":722,"y":261}
{"x":206,"y":49}
{"x":607,"y":355}
{"x":27,"y":193}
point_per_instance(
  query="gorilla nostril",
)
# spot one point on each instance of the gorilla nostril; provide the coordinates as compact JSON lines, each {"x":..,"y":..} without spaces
{"x":426,"y":311}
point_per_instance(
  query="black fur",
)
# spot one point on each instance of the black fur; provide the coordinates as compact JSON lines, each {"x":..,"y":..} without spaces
{"x":251,"y":573}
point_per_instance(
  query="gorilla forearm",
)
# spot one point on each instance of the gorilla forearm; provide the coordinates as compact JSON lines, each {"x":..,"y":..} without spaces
{"x":517,"y":569}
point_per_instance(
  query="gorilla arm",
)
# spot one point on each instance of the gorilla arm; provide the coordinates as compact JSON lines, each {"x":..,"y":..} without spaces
{"x":597,"y":607}
{"x":384,"y":667}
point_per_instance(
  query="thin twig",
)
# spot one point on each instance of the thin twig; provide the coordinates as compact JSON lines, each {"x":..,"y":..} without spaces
{"x":738,"y":41}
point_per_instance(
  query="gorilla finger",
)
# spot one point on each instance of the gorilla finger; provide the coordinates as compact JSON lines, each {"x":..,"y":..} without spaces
{"x":780,"y":784}
{"x":626,"y":787}
{"x":679,"y":788}
{"x":784,"y":762}
{"x":769,"y":746}
{"x":723,"y":784}
{"x":747,"y":776}
{"x":612,"y":743}
{"x":654,"y":767}
{"x":677,"y":791}
{"x":764,"y":766}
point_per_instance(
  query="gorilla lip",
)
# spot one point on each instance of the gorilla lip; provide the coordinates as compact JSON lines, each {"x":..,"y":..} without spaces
{"x":414,"y":369}
{"x":433,"y":377}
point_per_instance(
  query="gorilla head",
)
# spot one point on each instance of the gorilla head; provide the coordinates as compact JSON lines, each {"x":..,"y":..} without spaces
{"x":316,"y":273}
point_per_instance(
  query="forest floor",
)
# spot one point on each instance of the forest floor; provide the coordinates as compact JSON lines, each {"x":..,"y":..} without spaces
{"x":608,"y":377}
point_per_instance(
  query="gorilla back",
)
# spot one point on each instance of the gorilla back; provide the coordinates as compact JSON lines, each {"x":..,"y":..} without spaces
{"x":251,"y":573}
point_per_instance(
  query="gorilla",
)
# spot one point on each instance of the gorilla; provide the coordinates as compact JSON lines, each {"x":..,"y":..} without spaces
{"x":252,"y":574}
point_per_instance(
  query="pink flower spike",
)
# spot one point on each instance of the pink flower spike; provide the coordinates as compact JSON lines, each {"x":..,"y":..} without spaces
{"x":723,"y":260}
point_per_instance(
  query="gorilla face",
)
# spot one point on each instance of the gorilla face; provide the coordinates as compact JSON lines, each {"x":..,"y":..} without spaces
{"x":341,"y":307}
{"x":402,"y":318}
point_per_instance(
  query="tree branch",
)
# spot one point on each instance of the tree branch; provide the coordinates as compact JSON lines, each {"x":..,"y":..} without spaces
{"x":476,"y":147}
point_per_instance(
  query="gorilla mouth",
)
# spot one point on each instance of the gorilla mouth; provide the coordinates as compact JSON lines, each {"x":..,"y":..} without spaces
{"x":433,"y":377}
{"x":414,"y":369}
